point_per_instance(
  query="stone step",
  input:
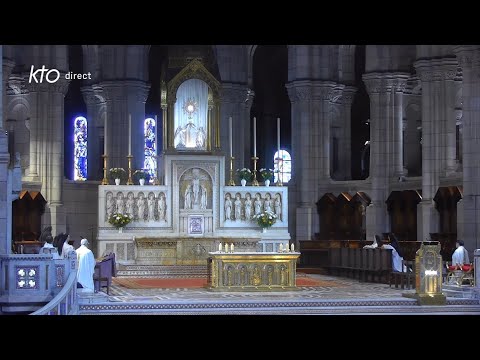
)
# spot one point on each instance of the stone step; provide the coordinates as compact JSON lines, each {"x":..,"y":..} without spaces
{"x":459,"y":291}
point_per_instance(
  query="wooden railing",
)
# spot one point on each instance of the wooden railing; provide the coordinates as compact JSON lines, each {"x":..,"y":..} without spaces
{"x":65,"y":303}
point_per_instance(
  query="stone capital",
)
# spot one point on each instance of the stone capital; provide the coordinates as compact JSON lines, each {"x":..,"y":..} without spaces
{"x":314,"y":90}
{"x":7,"y":67}
{"x":60,"y":86}
{"x":468,"y":56}
{"x":120,"y":90}
{"x":348,"y":94}
{"x":377,"y":83}
{"x":236,"y":93}
{"x":16,"y":85}
{"x":429,"y":70}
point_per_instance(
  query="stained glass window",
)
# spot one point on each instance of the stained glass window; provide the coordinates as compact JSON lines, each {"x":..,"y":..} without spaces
{"x":150,"y":163}
{"x":80,"y":149}
{"x":282,"y":166}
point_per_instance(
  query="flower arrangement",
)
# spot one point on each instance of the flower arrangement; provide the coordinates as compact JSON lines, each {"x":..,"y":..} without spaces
{"x":244,"y":173}
{"x":119,"y":220}
{"x":140,"y":174}
{"x":117,"y":173}
{"x":265,"y":219}
{"x":266,"y":173}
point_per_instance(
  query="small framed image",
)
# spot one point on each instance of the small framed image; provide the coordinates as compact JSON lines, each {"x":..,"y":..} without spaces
{"x":195,"y":224}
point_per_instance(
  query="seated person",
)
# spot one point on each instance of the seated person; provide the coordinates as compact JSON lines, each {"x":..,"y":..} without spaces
{"x":48,"y":248}
{"x":460,"y":255}
{"x":397,"y":260}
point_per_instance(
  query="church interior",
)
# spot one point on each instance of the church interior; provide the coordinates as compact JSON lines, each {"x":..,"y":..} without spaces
{"x":239,"y":179}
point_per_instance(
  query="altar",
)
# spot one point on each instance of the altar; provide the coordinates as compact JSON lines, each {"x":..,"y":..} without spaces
{"x":193,"y":202}
{"x":252,"y":271}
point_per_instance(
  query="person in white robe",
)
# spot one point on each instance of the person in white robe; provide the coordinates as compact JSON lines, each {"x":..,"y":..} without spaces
{"x":86,"y":266}
{"x":67,"y":247}
{"x":460,"y":255}
{"x":48,"y":248}
{"x":397,"y":260}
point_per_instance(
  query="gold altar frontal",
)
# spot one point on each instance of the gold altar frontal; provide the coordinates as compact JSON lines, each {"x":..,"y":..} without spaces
{"x":252,"y":271}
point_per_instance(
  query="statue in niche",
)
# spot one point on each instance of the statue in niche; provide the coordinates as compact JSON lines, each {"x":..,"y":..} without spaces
{"x":283,"y":275}
{"x":228,"y":207}
{"x":195,"y":196}
{"x":238,"y":208}
{"x":120,"y":204}
{"x":267,"y":205}
{"x":201,"y":136}
{"x":151,"y":207}
{"x":129,"y":204}
{"x":141,"y":206}
{"x":257,"y":204}
{"x":278,"y":207}
{"x":110,"y":207}
{"x":248,"y":207}
{"x":161,"y":206}
{"x":180,"y":137}
{"x":243,"y":276}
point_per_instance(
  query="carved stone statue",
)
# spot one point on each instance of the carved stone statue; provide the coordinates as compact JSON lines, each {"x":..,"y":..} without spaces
{"x":151,"y":207}
{"x":120,"y":204}
{"x":278,"y":207}
{"x":141,"y":207}
{"x":188,"y":198}
{"x":130,"y":204}
{"x":257,"y":204}
{"x":248,"y":207}
{"x":267,"y":205}
{"x":238,"y":208}
{"x":204,"y":199}
{"x":228,"y":207}
{"x":161,"y":207}
{"x":110,"y":206}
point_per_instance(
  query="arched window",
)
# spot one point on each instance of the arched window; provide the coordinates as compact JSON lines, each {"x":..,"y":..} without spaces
{"x":150,"y":163}
{"x":284,"y":168}
{"x":80,"y":149}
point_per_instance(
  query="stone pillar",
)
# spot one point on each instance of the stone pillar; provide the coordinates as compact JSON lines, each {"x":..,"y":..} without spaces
{"x":311,"y":102}
{"x":386,"y":145}
{"x":236,"y":101}
{"x":476,"y":264}
{"x":469,"y":60}
{"x":345,"y":141}
{"x":94,"y":124}
{"x":7,"y":67}
{"x":5,"y":243}
{"x":124,"y":97}
{"x":437,"y":77}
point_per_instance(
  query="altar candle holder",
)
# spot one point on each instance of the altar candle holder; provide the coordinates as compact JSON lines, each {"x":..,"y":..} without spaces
{"x":279,"y":167}
{"x":255,"y":181}
{"x":156,"y":181}
{"x":231,"y":182}
{"x":105,"y":179}
{"x":130,"y":180}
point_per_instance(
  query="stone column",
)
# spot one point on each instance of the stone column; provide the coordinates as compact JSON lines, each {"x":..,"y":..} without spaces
{"x":5,"y":242}
{"x":469,"y":60}
{"x":94,"y":124}
{"x":7,"y":67}
{"x":345,"y":141}
{"x":46,"y":146}
{"x":386,"y":145}
{"x":311,"y":102}
{"x":437,"y":77}
{"x":124,"y":97}
{"x":236,"y":101}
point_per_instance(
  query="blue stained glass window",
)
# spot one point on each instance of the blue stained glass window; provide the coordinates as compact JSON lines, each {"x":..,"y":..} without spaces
{"x":80,"y":149}
{"x":282,"y":166}
{"x":150,"y":163}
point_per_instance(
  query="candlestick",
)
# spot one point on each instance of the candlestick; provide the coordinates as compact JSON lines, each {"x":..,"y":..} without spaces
{"x":231,"y":182}
{"x":220,"y":247}
{"x":129,"y":134}
{"x":130,"y":180}
{"x":226,"y":247}
{"x":231,"y":247}
{"x":292,"y":247}
{"x":255,"y":181}
{"x":278,"y":135}
{"x":230,"y":135}
{"x":105,"y":131}
{"x":105,"y":179}
{"x":254,"y":137}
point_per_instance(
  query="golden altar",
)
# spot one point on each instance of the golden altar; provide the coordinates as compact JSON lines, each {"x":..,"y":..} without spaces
{"x":252,"y":271}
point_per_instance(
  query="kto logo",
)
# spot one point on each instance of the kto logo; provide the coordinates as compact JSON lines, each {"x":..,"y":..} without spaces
{"x":51,"y":75}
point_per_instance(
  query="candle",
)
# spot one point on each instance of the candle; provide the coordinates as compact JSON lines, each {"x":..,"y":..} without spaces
{"x":280,"y":248}
{"x":278,"y":136}
{"x":226,"y":247}
{"x":105,"y":130}
{"x":287,"y":248}
{"x":231,"y":136}
{"x":129,"y":134}
{"x":231,"y":247}
{"x":156,"y":135}
{"x":292,"y":247}
{"x":220,"y":247}
{"x":254,"y":137}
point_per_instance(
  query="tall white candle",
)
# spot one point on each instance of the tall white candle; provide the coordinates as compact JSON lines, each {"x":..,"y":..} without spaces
{"x":254,"y":137}
{"x":105,"y":131}
{"x":230,"y":135}
{"x":278,"y":136}
{"x":156,"y":135}
{"x":129,"y":134}
{"x":220,"y":247}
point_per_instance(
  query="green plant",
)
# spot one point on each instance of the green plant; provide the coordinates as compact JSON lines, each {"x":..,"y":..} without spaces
{"x":140,"y":174}
{"x":244,"y":173}
{"x":119,"y":220}
{"x":117,"y":173}
{"x":265,"y":219}
{"x":266,"y":173}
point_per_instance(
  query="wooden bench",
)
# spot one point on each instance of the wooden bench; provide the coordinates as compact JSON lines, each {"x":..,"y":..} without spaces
{"x":105,"y":269}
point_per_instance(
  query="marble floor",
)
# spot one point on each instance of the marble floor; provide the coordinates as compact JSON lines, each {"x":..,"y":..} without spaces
{"x":344,"y":296}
